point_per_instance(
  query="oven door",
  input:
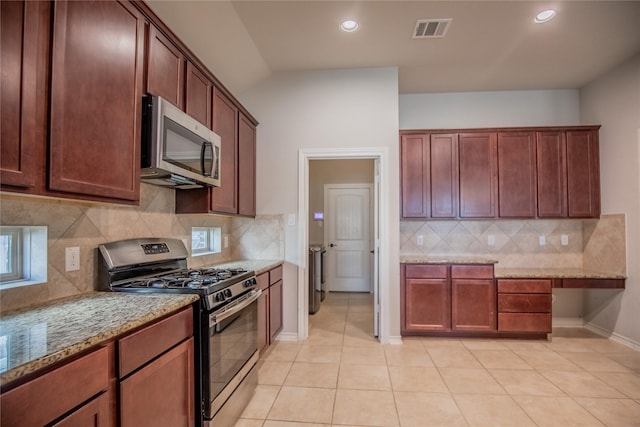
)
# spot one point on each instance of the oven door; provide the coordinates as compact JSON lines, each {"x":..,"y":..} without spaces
{"x":229,"y":351}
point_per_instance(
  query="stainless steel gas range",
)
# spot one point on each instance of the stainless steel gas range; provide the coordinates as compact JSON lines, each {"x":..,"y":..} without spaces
{"x":226,"y":325}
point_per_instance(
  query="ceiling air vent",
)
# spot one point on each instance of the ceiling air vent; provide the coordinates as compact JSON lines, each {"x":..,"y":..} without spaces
{"x":430,"y":28}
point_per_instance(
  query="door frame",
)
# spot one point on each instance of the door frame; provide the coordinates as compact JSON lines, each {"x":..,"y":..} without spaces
{"x":370,"y":210}
{"x":380,"y":155}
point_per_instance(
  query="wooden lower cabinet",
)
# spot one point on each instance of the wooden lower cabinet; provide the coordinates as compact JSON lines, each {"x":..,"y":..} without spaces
{"x":270,"y":320}
{"x":145,"y":378}
{"x":524,"y":305}
{"x":447,"y":298}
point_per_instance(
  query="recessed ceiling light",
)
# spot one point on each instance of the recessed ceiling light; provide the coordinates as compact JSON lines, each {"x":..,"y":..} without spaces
{"x":349,"y":26}
{"x":545,"y":15}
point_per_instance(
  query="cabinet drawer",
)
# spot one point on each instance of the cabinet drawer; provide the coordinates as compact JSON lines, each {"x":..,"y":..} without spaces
{"x":263,"y":281}
{"x":521,"y":322}
{"x":425,"y":271}
{"x":524,"y":286}
{"x":42,"y":400}
{"x":472,"y":271}
{"x":524,"y":303}
{"x":140,"y":347}
{"x":275,"y":275}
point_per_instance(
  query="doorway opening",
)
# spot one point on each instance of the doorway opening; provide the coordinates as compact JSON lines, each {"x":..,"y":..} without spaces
{"x":345,"y":173}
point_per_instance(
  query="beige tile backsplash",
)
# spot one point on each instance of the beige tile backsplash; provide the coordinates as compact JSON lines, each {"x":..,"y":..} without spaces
{"x":87,"y":225}
{"x":597,"y":245}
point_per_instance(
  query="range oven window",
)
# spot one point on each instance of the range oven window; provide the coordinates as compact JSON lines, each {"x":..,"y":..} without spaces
{"x":230,"y":344}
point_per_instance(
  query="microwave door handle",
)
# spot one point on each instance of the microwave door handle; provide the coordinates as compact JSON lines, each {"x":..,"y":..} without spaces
{"x":206,"y":146}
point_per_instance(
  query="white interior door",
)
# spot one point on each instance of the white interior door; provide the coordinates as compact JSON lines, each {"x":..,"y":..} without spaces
{"x":376,"y":250}
{"x":348,"y":237}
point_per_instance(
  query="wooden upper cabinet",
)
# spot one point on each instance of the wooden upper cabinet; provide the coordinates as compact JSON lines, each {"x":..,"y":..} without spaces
{"x":478,"y":175}
{"x":225,"y":123}
{"x":166,"y":68}
{"x":444,"y":175}
{"x":96,"y":95}
{"x":246,"y":166}
{"x":516,"y":175}
{"x":551,"y":161}
{"x":415,"y":176}
{"x":583,"y":174}
{"x":198,"y":95}
{"x":24,"y":54}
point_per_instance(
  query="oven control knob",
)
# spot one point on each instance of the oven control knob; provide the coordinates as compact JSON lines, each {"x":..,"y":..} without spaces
{"x":220,"y":297}
{"x":227,"y":293}
{"x":251,"y":282}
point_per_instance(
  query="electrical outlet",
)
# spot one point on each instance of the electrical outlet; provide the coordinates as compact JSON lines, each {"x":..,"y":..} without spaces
{"x":543,"y":240}
{"x":72,"y":258}
{"x":491,"y":240}
{"x":564,"y":239}
{"x":420,"y":240}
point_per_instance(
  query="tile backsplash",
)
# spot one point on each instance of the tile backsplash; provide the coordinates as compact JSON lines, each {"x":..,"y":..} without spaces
{"x":87,"y":225}
{"x":594,"y":244}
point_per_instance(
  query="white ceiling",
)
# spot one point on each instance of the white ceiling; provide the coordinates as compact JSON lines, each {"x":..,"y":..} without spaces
{"x":489,"y":46}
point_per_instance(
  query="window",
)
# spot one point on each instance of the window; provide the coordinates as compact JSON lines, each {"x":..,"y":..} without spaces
{"x":205,"y":240}
{"x":23,"y":256}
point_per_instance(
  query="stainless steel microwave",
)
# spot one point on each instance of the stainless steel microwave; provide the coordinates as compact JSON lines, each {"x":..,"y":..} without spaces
{"x":177,"y":150}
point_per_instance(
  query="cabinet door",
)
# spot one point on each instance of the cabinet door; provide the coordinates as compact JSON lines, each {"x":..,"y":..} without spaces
{"x":478,"y":175}
{"x":414,"y":175}
{"x":161,"y":394}
{"x":583,"y":174}
{"x":427,"y":305}
{"x":444,"y":175}
{"x":275,"y":310}
{"x":516,"y":175}
{"x":24,"y":53}
{"x":551,"y":164}
{"x":95,"y":413}
{"x":263,"y":320}
{"x":473,"y":305}
{"x":246,"y":167}
{"x":165,"y":69}
{"x":198,"y":95}
{"x":96,"y":96}
{"x":225,"y":123}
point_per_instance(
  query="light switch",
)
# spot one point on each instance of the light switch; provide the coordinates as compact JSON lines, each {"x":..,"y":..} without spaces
{"x":564,"y":239}
{"x":291,"y":219}
{"x":491,"y":240}
{"x":420,"y":240}
{"x":543,"y":240}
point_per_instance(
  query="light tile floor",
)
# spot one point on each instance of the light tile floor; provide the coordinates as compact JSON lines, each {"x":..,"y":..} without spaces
{"x":341,"y":376}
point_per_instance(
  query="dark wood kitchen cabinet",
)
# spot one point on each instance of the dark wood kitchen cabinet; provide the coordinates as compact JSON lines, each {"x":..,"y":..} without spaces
{"x":81,"y":391}
{"x":73,"y":127}
{"x":478,"y":174}
{"x":156,"y":374}
{"x":429,"y":175}
{"x":583,"y":174}
{"x":270,"y":320}
{"x":165,"y":68}
{"x":516,"y":175}
{"x":524,"y":305}
{"x":96,"y":94}
{"x":551,"y":164}
{"x":224,"y":199}
{"x":263,"y":312}
{"x":447,"y":298}
{"x":24,"y":54}
{"x":199,"y":90}
{"x":246,"y":167}
{"x":473,"y":298}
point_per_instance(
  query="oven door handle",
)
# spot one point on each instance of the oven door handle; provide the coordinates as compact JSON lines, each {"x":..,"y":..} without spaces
{"x":214,"y":319}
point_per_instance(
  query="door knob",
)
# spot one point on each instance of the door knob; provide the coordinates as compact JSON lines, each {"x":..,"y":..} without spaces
{"x":331,"y":245}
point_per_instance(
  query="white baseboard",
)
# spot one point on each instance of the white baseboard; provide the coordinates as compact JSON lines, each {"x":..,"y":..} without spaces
{"x":567,"y":322}
{"x":287,"y":336}
{"x":613,"y":336}
{"x":395,"y":340}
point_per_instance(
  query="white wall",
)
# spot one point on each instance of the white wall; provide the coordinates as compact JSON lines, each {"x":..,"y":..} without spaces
{"x":613,"y":100}
{"x":498,"y":109}
{"x":489,"y":109}
{"x":355,"y":108}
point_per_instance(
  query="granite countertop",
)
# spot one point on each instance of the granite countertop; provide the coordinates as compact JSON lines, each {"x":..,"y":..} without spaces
{"x":257,"y":265}
{"x":421,"y":259}
{"x":40,"y":336}
{"x":553,"y":273}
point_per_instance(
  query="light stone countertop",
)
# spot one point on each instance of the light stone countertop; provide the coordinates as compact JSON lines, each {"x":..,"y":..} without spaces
{"x":552,"y":273}
{"x":40,"y":336}
{"x":421,"y":259}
